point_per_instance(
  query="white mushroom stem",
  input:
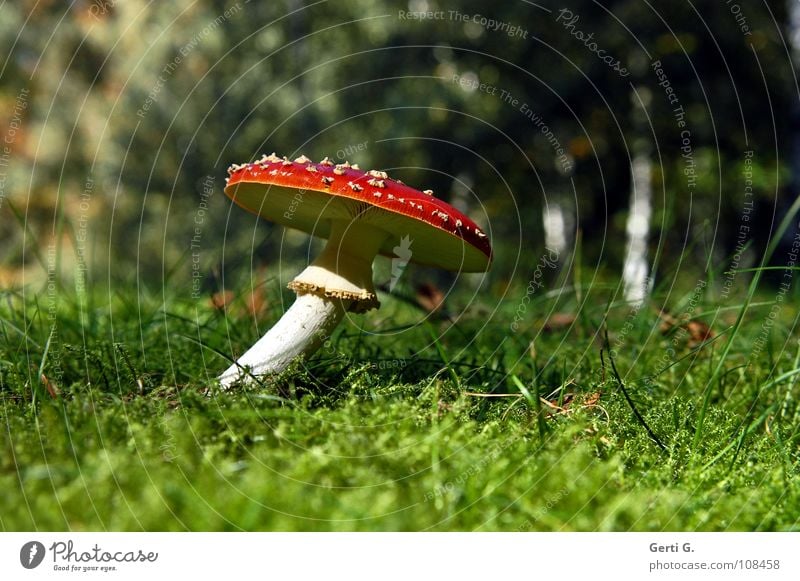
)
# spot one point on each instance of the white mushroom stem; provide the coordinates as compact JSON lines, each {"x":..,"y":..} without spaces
{"x":303,"y":328}
{"x":340,"y":279}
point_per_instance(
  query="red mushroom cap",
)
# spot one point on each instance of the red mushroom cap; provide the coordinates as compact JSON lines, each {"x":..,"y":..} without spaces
{"x":305,"y":195}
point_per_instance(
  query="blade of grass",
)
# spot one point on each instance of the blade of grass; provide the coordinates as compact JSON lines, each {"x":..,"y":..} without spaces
{"x":36,"y":382}
{"x":628,"y":399}
{"x":534,"y":402}
{"x":34,"y":248}
{"x":714,"y":379}
{"x":445,"y":359}
{"x":736,"y":441}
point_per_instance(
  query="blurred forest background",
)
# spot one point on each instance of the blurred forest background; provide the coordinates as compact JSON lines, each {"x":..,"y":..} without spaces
{"x":120,"y":118}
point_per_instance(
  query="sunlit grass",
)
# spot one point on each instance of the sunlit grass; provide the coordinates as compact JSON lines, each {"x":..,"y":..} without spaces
{"x":433,"y":425}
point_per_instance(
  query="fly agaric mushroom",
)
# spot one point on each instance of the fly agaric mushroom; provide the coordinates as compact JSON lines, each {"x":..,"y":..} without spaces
{"x":362,"y":214}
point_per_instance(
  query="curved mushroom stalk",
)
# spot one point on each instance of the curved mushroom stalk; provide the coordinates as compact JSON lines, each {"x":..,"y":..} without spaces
{"x":339,"y":280}
{"x":299,"y":333}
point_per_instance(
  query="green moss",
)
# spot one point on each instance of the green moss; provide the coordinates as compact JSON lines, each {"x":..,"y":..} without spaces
{"x":134,"y":442}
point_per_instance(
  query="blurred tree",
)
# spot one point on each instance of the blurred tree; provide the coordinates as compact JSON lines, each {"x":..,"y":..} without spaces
{"x":135,"y":105}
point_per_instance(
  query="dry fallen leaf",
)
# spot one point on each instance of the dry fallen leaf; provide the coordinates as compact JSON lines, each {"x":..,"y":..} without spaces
{"x":592,"y":399}
{"x":50,"y":386}
{"x":667,"y":322}
{"x":698,"y":331}
{"x":221,"y":299}
{"x":566,"y":401}
{"x":558,"y":321}
{"x":257,"y":301}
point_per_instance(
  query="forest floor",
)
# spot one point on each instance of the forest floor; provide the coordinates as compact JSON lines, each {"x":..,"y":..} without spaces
{"x":564,"y":411}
